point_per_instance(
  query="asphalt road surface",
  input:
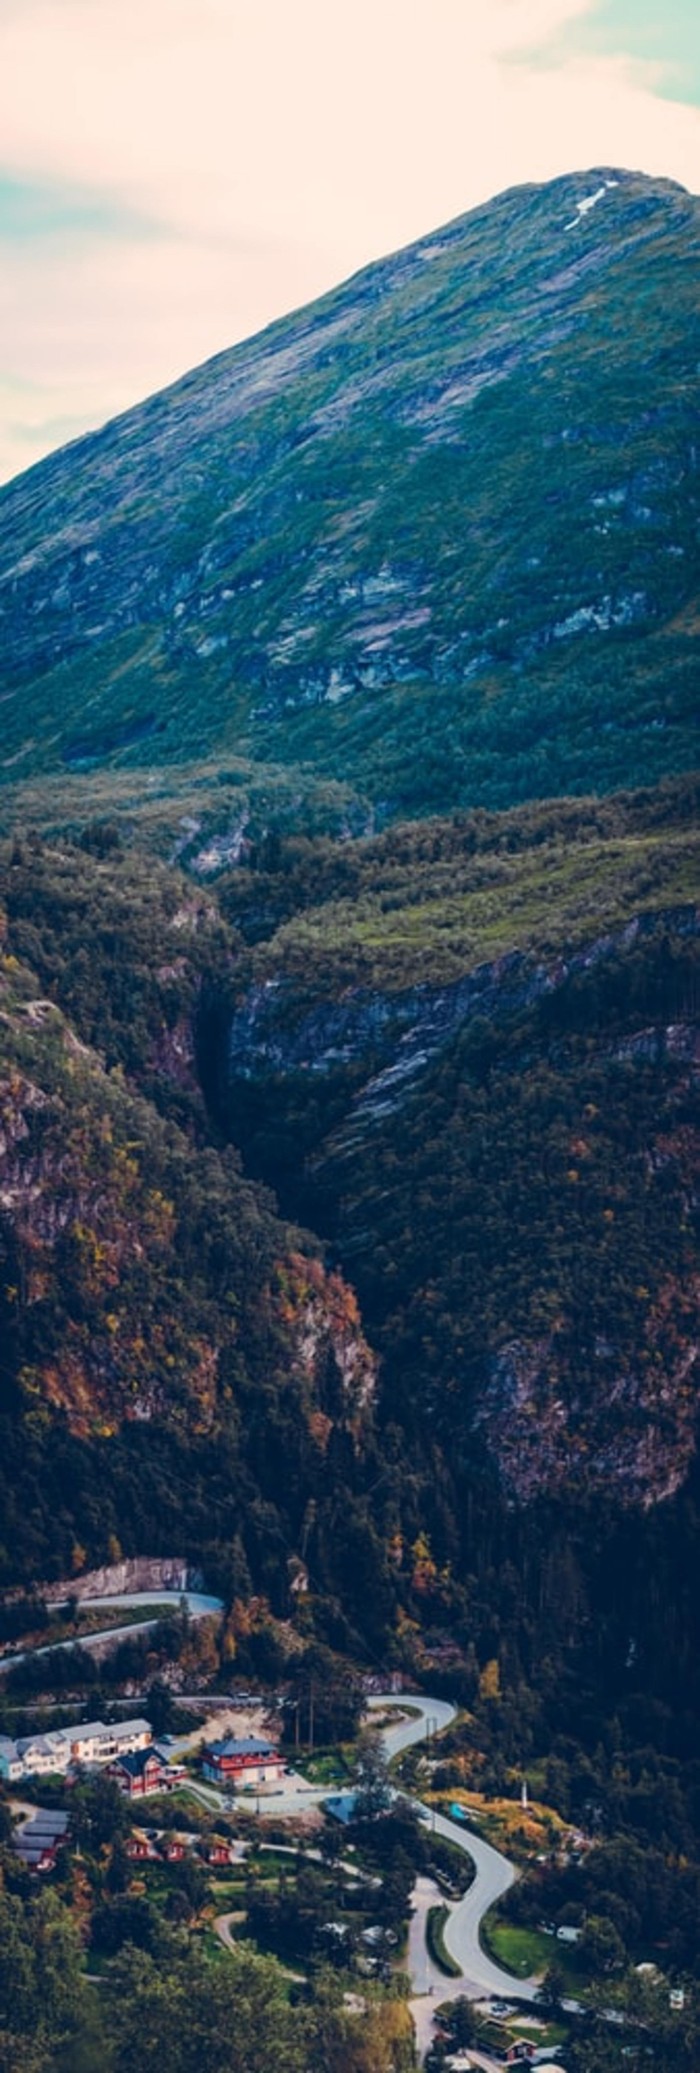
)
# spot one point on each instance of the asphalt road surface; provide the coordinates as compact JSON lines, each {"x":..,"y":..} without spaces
{"x":198,"y":1604}
{"x":493,"y":1876}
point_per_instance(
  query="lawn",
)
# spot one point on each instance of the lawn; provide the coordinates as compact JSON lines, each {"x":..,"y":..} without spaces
{"x":268,"y":1858}
{"x":540,"y":2034}
{"x":437,"y":1917}
{"x":526,"y":1951}
{"x":326,"y":1768}
{"x":521,"y":1951}
{"x":185,"y":1798}
{"x":212,"y":1946}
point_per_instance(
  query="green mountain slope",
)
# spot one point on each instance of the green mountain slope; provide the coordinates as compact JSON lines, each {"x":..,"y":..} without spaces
{"x":434,"y":537}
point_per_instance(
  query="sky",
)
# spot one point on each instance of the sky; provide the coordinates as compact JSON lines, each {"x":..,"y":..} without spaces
{"x":176,"y":173}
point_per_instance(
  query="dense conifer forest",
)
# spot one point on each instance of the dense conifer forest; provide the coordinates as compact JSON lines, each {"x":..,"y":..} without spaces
{"x":513,"y":1479}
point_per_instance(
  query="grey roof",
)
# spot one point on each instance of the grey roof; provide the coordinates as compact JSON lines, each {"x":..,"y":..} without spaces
{"x":244,"y":1745}
{"x":46,"y":1821}
{"x":42,"y":1835}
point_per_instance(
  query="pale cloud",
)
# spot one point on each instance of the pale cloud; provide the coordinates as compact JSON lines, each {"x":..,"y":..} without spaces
{"x":39,"y":211}
{"x":272,"y":149}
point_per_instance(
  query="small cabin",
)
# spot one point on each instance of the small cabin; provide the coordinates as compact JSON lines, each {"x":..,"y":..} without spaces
{"x":140,"y":1849}
{"x":217,"y":1851}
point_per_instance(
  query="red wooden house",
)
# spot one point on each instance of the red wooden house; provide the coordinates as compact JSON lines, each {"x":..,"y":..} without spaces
{"x":139,"y":1848}
{"x":172,"y":1849}
{"x":40,"y":1839}
{"x":144,"y":1770}
{"x":215,"y":1850}
{"x":247,"y":1760}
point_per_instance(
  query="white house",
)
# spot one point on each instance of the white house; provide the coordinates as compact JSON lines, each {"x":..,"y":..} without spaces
{"x":93,"y":1742}
{"x":42,"y":1755}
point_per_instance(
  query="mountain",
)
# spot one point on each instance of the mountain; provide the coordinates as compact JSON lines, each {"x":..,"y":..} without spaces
{"x":430,"y":543}
{"x":349,"y":996}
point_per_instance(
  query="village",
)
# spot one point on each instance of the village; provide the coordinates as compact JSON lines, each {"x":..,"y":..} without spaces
{"x":220,"y":1826}
{"x":214,"y":1814}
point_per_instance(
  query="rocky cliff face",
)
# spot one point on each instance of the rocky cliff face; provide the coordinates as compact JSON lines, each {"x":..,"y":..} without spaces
{"x":629,"y":1430}
{"x":509,"y":1166}
{"x":504,"y":1163}
{"x":387,"y":1041}
{"x":330,"y":1355}
{"x":140,"y":1573}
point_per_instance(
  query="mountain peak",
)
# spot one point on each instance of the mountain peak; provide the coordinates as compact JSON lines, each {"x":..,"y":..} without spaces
{"x":463,"y":480}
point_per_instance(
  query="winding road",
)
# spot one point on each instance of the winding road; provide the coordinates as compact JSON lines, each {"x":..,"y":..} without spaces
{"x":199,"y":1607}
{"x":425,"y":1718}
{"x":493,"y":1874}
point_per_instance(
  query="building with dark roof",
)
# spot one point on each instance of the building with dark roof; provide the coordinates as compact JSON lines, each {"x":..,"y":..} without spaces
{"x":38,"y":1842}
{"x":241,"y":1761}
{"x":141,"y":1771}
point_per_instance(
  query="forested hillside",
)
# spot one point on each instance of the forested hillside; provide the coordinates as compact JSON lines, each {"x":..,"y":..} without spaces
{"x":349,"y":997}
{"x":506,"y":1163}
{"x":501,"y":1166}
{"x":168,"y":1346}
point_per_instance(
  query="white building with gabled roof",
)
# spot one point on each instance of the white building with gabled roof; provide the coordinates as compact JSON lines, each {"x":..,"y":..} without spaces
{"x":91,"y":1742}
{"x":96,"y":1742}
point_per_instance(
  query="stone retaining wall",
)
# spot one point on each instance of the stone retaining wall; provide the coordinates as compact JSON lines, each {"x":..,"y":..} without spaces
{"x":137,"y":1573}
